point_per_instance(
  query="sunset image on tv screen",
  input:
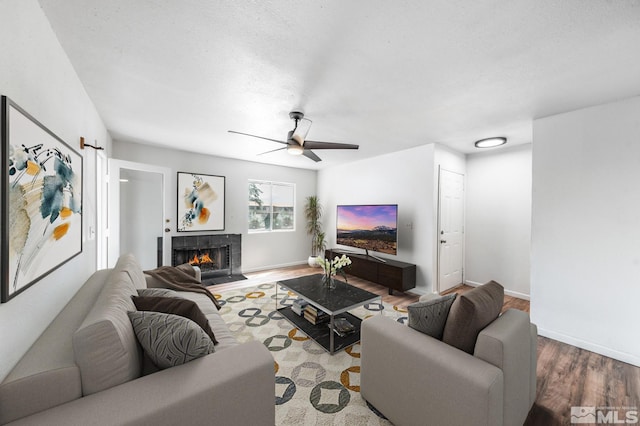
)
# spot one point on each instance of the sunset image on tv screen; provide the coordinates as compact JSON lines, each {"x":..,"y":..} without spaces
{"x":369,"y":227}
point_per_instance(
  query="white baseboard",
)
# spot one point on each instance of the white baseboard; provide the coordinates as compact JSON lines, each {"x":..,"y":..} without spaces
{"x":267,"y":267}
{"x":590,"y":346}
{"x":507,"y":292}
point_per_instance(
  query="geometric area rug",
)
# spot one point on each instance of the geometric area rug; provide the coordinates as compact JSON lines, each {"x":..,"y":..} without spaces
{"x":312,"y":387}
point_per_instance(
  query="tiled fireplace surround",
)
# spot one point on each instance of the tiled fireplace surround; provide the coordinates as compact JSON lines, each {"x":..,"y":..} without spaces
{"x":223,"y":249}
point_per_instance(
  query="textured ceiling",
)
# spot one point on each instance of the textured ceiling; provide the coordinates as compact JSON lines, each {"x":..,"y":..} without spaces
{"x":382,"y":74}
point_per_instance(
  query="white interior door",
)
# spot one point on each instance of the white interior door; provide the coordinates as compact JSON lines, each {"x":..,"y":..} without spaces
{"x":137,"y":216}
{"x":450,"y":229}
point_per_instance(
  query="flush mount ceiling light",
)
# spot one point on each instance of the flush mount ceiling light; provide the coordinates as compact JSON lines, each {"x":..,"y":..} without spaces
{"x":490,"y":142}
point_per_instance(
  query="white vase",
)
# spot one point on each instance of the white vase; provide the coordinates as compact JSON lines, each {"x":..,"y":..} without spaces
{"x":313,"y":261}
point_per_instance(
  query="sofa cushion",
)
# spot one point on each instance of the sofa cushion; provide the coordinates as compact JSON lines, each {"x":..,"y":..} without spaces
{"x":470,"y":313}
{"x":430,"y":316}
{"x":47,"y":374}
{"x":104,"y":346}
{"x":129,"y":264}
{"x":224,"y":336}
{"x":176,"y":306}
{"x":170,"y":340}
{"x":158,"y":292}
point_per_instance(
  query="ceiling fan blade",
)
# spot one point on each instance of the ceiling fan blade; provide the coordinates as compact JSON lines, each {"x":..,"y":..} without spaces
{"x":255,"y":136}
{"x":329,"y":145}
{"x":310,"y":154}
{"x":273,"y":150}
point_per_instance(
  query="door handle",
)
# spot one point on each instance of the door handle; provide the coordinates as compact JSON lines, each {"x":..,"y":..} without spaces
{"x":443,"y":241}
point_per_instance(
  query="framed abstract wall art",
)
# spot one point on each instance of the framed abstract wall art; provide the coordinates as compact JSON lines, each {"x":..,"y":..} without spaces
{"x":41,"y":201}
{"x":200,"y":202}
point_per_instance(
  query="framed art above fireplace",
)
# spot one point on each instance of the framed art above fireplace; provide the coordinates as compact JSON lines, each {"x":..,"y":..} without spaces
{"x":200,"y":202}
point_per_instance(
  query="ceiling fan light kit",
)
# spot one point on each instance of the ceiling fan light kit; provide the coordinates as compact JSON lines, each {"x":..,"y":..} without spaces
{"x":295,"y":150}
{"x":298,"y":139}
{"x":490,"y":142}
{"x":296,"y":143}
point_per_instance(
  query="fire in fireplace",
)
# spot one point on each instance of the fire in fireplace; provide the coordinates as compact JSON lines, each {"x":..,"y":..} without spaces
{"x":211,"y":261}
{"x":203,"y":259}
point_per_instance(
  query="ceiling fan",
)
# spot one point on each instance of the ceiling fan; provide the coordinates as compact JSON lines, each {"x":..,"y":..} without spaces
{"x":297,"y":144}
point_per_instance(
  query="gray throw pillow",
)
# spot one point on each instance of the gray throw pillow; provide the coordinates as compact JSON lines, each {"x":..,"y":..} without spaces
{"x":470,"y":313}
{"x":168,"y":339}
{"x":429,"y":317}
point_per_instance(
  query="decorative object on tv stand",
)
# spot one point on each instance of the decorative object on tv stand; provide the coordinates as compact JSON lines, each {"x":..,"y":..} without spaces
{"x":200,"y":202}
{"x":333,"y":267}
{"x":313,"y":214}
{"x":41,"y":201}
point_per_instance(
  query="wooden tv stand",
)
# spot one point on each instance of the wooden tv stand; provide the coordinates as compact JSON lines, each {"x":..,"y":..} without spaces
{"x":394,"y":275}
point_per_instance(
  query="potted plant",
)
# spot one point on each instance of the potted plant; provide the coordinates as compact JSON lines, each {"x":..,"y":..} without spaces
{"x":313,"y":214}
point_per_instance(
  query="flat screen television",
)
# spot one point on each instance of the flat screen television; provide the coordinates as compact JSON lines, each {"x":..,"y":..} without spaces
{"x":368,"y":227}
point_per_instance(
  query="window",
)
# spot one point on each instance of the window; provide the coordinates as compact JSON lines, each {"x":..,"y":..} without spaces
{"x":271,"y":206}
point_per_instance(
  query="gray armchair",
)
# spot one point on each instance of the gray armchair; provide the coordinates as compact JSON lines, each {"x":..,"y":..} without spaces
{"x":414,"y":379}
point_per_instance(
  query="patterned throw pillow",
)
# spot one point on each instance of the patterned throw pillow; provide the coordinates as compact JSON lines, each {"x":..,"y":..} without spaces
{"x":176,"y":306}
{"x":168,"y":339}
{"x":429,"y":317}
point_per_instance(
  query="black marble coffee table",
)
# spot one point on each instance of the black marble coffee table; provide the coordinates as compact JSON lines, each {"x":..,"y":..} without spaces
{"x":335,"y":301}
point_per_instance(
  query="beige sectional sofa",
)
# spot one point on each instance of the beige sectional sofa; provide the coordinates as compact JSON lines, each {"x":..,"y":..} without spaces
{"x":85,"y":369}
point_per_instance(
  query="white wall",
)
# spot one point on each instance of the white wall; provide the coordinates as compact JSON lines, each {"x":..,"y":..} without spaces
{"x":405,"y":178}
{"x":585,"y":256}
{"x":449,"y":159}
{"x":259,"y":250}
{"x":498,"y":221}
{"x":37,"y":75}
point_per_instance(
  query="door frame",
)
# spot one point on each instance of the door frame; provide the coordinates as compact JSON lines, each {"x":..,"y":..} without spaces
{"x":102,"y":201}
{"x":439,"y":224}
{"x":113,"y":217}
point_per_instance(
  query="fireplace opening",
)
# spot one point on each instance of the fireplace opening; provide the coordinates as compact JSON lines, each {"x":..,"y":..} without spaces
{"x":224,"y":251}
{"x":212,"y":261}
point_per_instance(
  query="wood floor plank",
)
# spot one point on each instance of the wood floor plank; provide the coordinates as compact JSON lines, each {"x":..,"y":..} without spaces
{"x":567,"y":376}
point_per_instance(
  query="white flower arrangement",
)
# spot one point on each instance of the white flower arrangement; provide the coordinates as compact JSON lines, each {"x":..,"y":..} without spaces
{"x":333,"y":267}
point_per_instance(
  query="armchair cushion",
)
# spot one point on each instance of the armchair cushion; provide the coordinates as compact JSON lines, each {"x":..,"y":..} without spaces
{"x":470,"y":313}
{"x":429,"y":316}
{"x":415,"y":379}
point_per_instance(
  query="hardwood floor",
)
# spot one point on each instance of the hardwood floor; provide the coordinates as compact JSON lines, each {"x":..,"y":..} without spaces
{"x":567,"y":376}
